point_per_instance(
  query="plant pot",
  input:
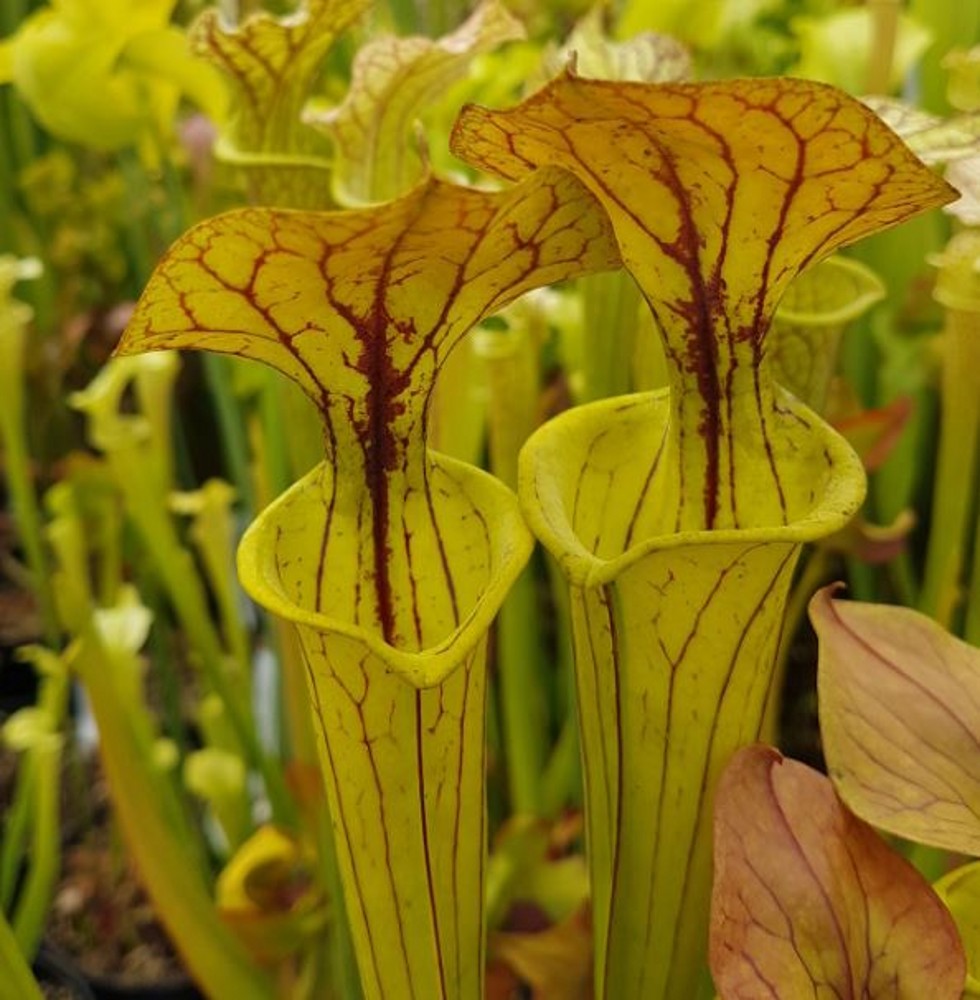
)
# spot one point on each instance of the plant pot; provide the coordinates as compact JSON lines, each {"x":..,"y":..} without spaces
{"x":53,"y":968}
{"x":107,"y":988}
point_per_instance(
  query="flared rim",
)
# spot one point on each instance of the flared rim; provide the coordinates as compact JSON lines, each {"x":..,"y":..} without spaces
{"x":511,"y":540}
{"x":829,"y":513}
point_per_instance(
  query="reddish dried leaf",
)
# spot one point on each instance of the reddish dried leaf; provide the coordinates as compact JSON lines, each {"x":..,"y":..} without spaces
{"x":501,"y":982}
{"x":873,"y":434}
{"x":900,"y":719}
{"x":556,"y":963}
{"x":809,"y":902}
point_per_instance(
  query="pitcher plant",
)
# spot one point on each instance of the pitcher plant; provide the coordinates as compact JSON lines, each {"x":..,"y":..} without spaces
{"x":678,"y":515}
{"x":390,"y":559}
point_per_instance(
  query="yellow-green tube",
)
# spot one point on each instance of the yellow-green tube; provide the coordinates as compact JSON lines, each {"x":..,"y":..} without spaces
{"x":675,"y":635}
{"x":401,"y":734}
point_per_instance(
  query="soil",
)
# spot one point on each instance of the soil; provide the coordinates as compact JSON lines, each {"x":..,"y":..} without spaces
{"x":101,"y":919}
{"x":101,"y":915}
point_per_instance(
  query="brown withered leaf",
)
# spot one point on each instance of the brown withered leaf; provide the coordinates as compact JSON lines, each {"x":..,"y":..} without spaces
{"x":556,"y":963}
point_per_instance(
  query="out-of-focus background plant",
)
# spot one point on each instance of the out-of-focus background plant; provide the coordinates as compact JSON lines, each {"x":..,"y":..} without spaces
{"x":126,"y":483}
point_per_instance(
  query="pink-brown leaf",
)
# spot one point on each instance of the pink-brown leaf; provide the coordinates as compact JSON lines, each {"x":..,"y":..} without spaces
{"x":900,"y":719}
{"x":809,"y":902}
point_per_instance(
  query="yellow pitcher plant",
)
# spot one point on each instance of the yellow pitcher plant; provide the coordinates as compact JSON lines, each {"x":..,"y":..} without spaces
{"x":678,"y":515}
{"x":390,"y":559}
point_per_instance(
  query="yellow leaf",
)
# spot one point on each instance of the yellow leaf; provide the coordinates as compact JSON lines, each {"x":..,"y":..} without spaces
{"x":359,"y":308}
{"x":94,"y":73}
{"x":960,"y":891}
{"x":675,"y":636}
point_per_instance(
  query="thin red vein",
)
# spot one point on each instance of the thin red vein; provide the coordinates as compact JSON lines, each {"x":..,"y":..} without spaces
{"x":426,"y":847}
{"x":342,"y":818}
{"x":608,"y":601}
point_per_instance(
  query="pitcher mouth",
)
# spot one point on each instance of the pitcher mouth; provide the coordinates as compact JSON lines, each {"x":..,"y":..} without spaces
{"x":545,"y":475}
{"x":510,"y":545}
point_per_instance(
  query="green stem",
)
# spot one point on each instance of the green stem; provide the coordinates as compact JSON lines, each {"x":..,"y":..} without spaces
{"x":26,"y":513}
{"x":511,"y":357}
{"x":815,"y":572}
{"x":497,"y":806}
{"x":276,"y":458}
{"x":304,"y":442}
{"x":231,"y":426}
{"x":183,"y":586}
{"x":23,"y":134}
{"x":862,"y":580}
{"x":519,"y":671}
{"x":954,"y":493}
{"x":612,"y":304}
{"x":36,"y":894}
{"x":141,"y":257}
{"x":14,"y":971}
{"x":562,"y":779}
{"x":901,"y":574}
{"x":885,"y":15}
{"x":971,"y":624}
{"x":7,"y":180}
{"x":561,"y":782}
{"x":15,"y":829}
{"x":931,"y":862}
{"x":145,"y":805}
{"x":35,"y":811}
{"x":164,"y":665}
